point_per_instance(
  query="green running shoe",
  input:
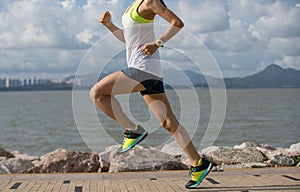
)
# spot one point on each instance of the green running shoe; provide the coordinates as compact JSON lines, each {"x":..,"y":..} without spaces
{"x":132,"y":138}
{"x":198,"y":173}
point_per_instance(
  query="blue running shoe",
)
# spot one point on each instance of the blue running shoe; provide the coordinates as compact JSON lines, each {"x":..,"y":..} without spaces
{"x":132,"y":138}
{"x":198,"y":173}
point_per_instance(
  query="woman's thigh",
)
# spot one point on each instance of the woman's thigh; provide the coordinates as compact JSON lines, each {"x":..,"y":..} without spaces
{"x":117,"y":83}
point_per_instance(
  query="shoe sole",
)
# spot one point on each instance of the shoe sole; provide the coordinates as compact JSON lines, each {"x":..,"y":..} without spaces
{"x":140,"y":139}
{"x":208,"y":170}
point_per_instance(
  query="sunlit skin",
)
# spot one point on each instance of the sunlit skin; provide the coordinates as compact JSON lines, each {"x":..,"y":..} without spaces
{"x":103,"y":93}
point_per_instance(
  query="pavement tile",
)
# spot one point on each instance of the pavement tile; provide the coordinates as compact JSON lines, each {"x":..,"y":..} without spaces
{"x":239,"y":180}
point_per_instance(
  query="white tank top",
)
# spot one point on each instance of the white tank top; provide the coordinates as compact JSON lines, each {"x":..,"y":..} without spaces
{"x":137,"y":32}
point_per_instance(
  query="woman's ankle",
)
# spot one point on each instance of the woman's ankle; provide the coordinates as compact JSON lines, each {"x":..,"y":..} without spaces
{"x":196,"y":162}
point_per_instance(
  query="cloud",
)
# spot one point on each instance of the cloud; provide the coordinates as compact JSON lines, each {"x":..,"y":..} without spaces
{"x":261,"y":33}
{"x":40,"y":60}
{"x":204,"y":16}
{"x":289,"y":62}
{"x":52,"y":24}
{"x":236,"y":39}
{"x":39,"y":24}
{"x":249,"y":10}
{"x":285,"y":46}
{"x":48,"y":35}
{"x":244,"y":36}
{"x":280,"y":20}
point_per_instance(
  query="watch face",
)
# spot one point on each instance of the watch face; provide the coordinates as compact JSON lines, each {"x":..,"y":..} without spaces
{"x":160,"y":43}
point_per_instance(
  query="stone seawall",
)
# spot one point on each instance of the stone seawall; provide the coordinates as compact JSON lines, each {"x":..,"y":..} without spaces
{"x":170,"y":157}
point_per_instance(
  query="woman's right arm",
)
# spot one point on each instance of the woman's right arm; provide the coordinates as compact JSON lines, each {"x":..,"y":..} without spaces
{"x":105,"y":19}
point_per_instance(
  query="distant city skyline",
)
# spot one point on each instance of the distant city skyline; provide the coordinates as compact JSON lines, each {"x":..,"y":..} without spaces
{"x":39,"y":75}
{"x":16,"y":82}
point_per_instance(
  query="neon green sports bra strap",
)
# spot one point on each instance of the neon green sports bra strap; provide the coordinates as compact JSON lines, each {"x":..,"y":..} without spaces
{"x":135,"y":15}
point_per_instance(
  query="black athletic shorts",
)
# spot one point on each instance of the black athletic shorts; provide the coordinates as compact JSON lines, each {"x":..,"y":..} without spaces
{"x":152,"y":83}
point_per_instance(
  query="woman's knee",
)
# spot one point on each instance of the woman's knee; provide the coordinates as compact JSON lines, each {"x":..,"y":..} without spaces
{"x":170,"y":124}
{"x":96,"y":94}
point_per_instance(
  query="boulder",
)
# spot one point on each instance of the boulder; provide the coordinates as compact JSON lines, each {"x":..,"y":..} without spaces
{"x":229,"y":155}
{"x":207,"y":152}
{"x":245,"y":165}
{"x":172,"y":149}
{"x":294,"y":150}
{"x":15,"y":165}
{"x":246,"y":145}
{"x":255,"y":165}
{"x":106,"y":156}
{"x":4,"y":170}
{"x":176,"y":151}
{"x":67,"y":161}
{"x":267,"y":147}
{"x":281,"y":160}
{"x":277,"y":156}
{"x":144,"y":159}
{"x":4,"y":153}
{"x":20,"y":155}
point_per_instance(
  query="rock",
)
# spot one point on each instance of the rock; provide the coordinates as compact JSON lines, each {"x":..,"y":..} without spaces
{"x":207,"y":152}
{"x":144,"y":159}
{"x":172,"y":149}
{"x":235,"y":166}
{"x":228,"y":155}
{"x":171,"y":157}
{"x":103,"y":165}
{"x":15,"y":165}
{"x":294,"y":150}
{"x":106,"y":156}
{"x":67,"y":161}
{"x":281,"y":160}
{"x":267,"y":147}
{"x":176,"y":151}
{"x":4,"y":153}
{"x":255,"y":165}
{"x":184,"y":160}
{"x":245,"y":165}
{"x":4,"y":170}
{"x":217,"y":169}
{"x":20,"y":155}
{"x":277,"y":157}
{"x":246,"y":145}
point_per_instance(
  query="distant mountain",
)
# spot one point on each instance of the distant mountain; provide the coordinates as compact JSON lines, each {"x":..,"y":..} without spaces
{"x":272,"y":76}
{"x":187,"y":78}
{"x":198,"y":79}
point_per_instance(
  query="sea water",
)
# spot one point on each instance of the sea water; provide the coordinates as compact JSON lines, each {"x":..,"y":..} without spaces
{"x":37,"y":122}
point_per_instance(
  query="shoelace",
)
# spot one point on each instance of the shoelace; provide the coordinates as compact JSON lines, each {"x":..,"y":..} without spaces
{"x":192,"y":171}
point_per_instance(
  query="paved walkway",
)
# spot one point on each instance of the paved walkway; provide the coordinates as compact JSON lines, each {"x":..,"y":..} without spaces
{"x":241,"y":180}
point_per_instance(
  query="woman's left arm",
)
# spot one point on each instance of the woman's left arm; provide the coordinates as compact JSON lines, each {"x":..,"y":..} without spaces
{"x":175,"y":22}
{"x":175,"y":25}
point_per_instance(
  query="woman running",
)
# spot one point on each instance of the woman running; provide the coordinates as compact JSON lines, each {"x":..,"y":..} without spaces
{"x":144,"y":74}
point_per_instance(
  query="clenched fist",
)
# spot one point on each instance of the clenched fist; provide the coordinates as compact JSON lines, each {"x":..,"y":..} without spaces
{"x":105,"y":18}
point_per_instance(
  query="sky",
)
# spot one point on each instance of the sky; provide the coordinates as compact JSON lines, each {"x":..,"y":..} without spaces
{"x":51,"y":37}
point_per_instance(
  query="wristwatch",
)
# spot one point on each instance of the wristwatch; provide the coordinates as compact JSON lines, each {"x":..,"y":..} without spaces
{"x":159,"y":43}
